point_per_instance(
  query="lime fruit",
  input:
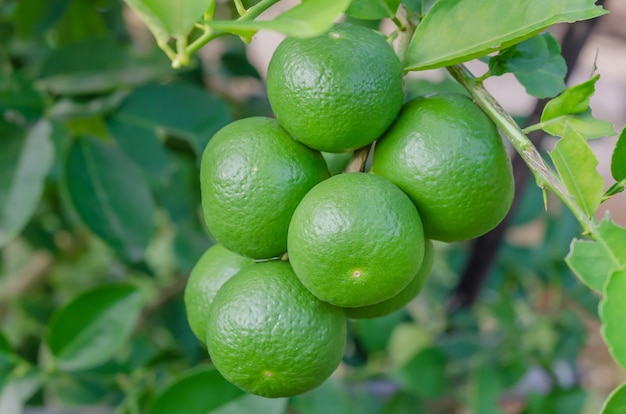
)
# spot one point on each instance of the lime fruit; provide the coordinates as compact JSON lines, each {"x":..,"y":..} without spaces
{"x":212,"y":270}
{"x":355,"y":240}
{"x":270,"y":336}
{"x":252,"y":177}
{"x":338,"y":91}
{"x":446,"y":154}
{"x":405,"y":296}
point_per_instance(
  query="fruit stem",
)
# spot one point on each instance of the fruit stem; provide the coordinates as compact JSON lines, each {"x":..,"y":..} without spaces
{"x":250,"y":14}
{"x":544,"y":175}
{"x":357,"y":163}
{"x":406,"y":28}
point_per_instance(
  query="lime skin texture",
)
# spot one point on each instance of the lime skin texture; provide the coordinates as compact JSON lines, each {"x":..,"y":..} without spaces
{"x":447,"y":155}
{"x":268,"y":335}
{"x":355,"y":240}
{"x":338,"y":91}
{"x":252,"y":177}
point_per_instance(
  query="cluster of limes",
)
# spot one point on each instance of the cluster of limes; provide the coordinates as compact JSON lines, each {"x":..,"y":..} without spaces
{"x":300,"y":250}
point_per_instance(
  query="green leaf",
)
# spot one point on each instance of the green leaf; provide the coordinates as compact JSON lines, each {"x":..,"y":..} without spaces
{"x":19,"y":100}
{"x":484,"y":390}
{"x":90,"y":329}
{"x":249,"y":403}
{"x":330,"y":397}
{"x":594,"y":261}
{"x":200,"y":391}
{"x":110,"y":195}
{"x":618,"y":160}
{"x":79,"y":107}
{"x":613,"y":314}
{"x":425,"y":374}
{"x":616,"y":402}
{"x":36,"y":17}
{"x":309,"y":18}
{"x":536,"y":63}
{"x":572,"y":107}
{"x":373,"y":9}
{"x":25,"y":159}
{"x":189,"y":113}
{"x":167,"y":18}
{"x":99,"y":65}
{"x":576,"y":165}
{"x":448,"y":34}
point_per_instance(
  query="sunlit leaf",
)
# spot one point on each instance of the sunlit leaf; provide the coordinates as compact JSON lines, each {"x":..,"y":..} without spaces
{"x":91,"y":328}
{"x":199,"y":391}
{"x":594,"y":260}
{"x":536,"y":63}
{"x":613,"y":314}
{"x":616,"y":402}
{"x":26,"y":157}
{"x":448,"y":34}
{"x":577,"y":167}
{"x":618,"y":160}
{"x":373,"y":9}
{"x":309,"y":18}
{"x":167,"y":18}
{"x":572,"y":107}
{"x":110,"y":195}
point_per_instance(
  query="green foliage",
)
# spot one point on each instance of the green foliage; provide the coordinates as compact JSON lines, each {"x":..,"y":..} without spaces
{"x":576,"y":165}
{"x":373,"y":9}
{"x":25,"y":159}
{"x":572,"y":108}
{"x":99,"y":214}
{"x":612,"y":313}
{"x":94,"y":326}
{"x":616,"y":403}
{"x":307,"y":19}
{"x":190,"y":392}
{"x":451,"y":25}
{"x":110,"y":195}
{"x":618,"y":160}
{"x":536,"y":63}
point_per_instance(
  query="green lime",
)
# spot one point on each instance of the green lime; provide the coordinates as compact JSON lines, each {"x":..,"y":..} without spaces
{"x":338,"y":91}
{"x":214,"y":268}
{"x":447,"y":155}
{"x":405,"y":296}
{"x":355,"y":240}
{"x":270,"y":336}
{"x":253,"y":175}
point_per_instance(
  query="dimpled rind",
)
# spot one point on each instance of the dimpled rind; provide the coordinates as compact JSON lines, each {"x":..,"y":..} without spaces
{"x":447,"y":155}
{"x":338,"y":91}
{"x":212,"y":270}
{"x":355,"y":240}
{"x":268,"y":335}
{"x":405,"y":296}
{"x":252,"y":177}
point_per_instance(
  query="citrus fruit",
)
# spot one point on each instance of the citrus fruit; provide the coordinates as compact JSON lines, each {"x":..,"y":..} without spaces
{"x":355,"y":240}
{"x":446,"y":154}
{"x":338,"y":91}
{"x":212,"y":270}
{"x":270,"y":336}
{"x":252,"y":177}
{"x":406,"y":295}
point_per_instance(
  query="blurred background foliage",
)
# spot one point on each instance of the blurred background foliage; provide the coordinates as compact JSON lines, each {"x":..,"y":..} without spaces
{"x":100,"y":225}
